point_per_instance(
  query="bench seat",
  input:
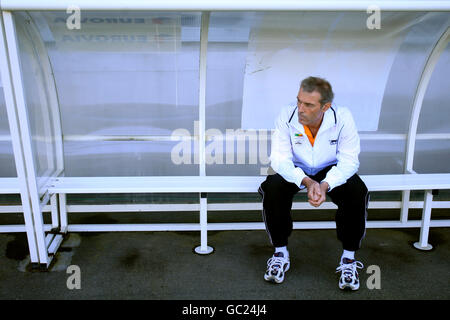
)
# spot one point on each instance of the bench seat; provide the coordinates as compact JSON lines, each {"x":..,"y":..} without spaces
{"x":233,"y":184}
{"x":227,"y":184}
{"x":9,"y":186}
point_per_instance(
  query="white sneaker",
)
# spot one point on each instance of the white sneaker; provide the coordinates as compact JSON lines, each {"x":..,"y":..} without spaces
{"x":276,"y":267}
{"x":349,"y":275}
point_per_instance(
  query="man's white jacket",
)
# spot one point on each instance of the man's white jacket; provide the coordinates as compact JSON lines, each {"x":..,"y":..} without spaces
{"x":337,"y":142}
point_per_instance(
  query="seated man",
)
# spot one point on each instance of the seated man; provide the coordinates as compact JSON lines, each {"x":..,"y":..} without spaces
{"x":315,"y":146}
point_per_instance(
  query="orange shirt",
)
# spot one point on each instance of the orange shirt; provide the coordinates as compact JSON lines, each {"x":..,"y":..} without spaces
{"x":309,"y":135}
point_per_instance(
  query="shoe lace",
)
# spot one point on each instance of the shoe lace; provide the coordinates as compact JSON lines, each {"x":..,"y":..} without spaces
{"x":276,"y":262}
{"x":349,"y":269}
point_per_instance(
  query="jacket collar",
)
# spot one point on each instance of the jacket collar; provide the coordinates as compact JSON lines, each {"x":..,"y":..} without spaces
{"x":329,"y":120}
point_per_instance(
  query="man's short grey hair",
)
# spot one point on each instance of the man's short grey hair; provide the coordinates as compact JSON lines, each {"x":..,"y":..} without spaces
{"x":320,"y":85}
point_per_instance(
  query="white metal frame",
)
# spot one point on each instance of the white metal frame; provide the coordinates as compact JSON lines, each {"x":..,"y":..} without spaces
{"x":41,"y":247}
{"x":54,"y":122}
{"x":24,"y":133}
{"x":227,"y":5}
{"x":22,"y":185}
{"x":32,"y":201}
{"x":240,"y":184}
{"x":414,"y":122}
{"x":203,"y":248}
{"x":419,"y":96}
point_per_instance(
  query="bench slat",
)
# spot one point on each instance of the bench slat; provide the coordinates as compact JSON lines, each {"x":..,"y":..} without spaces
{"x":225,"y":184}
{"x":9,"y":186}
{"x":407,"y":182}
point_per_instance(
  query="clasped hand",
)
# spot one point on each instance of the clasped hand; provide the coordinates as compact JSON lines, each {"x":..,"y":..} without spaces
{"x":316,"y":191}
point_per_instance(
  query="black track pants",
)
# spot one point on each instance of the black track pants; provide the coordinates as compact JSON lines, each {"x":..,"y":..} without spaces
{"x":351,"y":198}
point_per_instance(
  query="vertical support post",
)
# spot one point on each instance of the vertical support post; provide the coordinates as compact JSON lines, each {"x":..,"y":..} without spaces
{"x":14,"y":126}
{"x":63,"y":212}
{"x":426,"y":218}
{"x":203,"y":248}
{"x":405,"y":206}
{"x":202,"y":93}
{"x":12,"y":47}
{"x":54,"y":211}
{"x":422,"y":86}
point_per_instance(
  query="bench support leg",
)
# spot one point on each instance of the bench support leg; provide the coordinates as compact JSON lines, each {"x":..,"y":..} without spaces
{"x":63,"y":212}
{"x":405,"y":206}
{"x":425,"y":227}
{"x":203,"y":248}
{"x":54,"y":211}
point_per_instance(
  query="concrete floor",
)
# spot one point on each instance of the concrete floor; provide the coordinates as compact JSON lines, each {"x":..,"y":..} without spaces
{"x":162,"y":265}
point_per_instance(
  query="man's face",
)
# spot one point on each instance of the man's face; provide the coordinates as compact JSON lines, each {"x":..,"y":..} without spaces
{"x":310,"y":112}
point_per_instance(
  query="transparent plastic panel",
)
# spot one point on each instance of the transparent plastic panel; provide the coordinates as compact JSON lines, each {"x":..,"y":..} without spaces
{"x":382,"y":156}
{"x":432,"y":156}
{"x":257,"y":60}
{"x":7,"y":163}
{"x":423,"y":33}
{"x":228,"y":41}
{"x":432,"y":152}
{"x":130,"y":77}
{"x":238,"y":152}
{"x":130,"y":158}
{"x":37,"y":86}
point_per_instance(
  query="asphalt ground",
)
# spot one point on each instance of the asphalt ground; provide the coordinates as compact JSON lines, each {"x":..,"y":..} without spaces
{"x":163,"y":266}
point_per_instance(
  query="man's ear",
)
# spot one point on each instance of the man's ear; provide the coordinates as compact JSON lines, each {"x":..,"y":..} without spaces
{"x":326,"y":106}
